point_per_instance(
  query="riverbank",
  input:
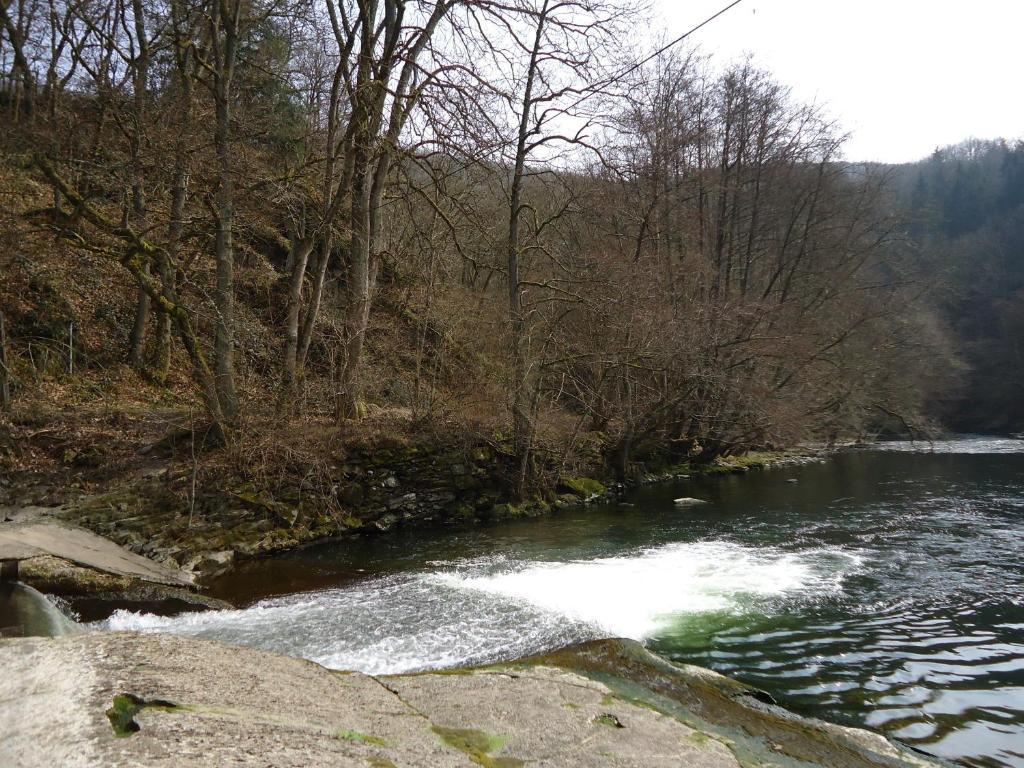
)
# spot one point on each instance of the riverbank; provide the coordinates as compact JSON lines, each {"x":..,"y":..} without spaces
{"x":129,"y":699}
{"x":207,"y":516}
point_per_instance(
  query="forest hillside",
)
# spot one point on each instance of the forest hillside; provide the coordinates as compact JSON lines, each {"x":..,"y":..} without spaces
{"x":965,"y":211}
{"x":268,"y":229}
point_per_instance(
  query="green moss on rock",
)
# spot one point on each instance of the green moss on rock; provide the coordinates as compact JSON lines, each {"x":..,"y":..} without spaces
{"x":584,"y":487}
{"x":751,"y":460}
{"x":357,"y":737}
{"x":608,"y":719}
{"x":532,"y":508}
{"x":125,"y":708}
{"x":114,"y":504}
{"x":462,"y":511}
{"x":477,"y":745}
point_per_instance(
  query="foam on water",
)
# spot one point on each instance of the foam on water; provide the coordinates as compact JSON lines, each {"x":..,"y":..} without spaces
{"x":960,"y":445}
{"x":639,"y":595}
{"x":481,"y":611}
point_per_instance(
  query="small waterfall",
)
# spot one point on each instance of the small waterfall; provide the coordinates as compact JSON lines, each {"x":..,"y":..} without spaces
{"x":25,"y":612}
{"x":489,"y":609}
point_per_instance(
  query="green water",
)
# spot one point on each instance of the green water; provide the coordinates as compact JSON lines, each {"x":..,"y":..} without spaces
{"x":878,"y":588}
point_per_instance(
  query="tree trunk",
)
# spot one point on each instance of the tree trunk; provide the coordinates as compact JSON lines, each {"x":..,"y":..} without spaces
{"x":226,"y":25}
{"x":313,"y":308}
{"x":167,"y":299}
{"x":357,"y":305}
{"x":138,"y":215}
{"x":137,"y":338}
{"x":14,"y":38}
{"x":368,"y":170}
{"x":300,"y":257}
{"x":522,"y":433}
{"x":5,"y":371}
{"x":165,"y":264}
{"x":357,"y":289}
{"x":166,"y":261}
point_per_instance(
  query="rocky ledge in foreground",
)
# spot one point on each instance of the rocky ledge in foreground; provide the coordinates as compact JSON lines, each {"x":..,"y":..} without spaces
{"x":124,"y":699}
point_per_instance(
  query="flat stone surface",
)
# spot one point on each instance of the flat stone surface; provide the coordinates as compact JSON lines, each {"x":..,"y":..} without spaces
{"x":21,"y":541}
{"x":553,"y":717}
{"x":207,"y":704}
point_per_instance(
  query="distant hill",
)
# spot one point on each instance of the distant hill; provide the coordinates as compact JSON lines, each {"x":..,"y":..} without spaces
{"x":965,"y":213}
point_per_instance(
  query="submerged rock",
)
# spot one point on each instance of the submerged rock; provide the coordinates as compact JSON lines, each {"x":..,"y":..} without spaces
{"x":688,"y":501}
{"x":160,"y":700}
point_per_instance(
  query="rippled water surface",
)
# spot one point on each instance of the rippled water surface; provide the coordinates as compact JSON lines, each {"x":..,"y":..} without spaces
{"x":882,"y":587}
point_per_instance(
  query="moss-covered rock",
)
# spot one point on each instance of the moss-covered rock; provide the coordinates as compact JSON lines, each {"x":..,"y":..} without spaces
{"x":197,"y":703}
{"x":361,"y":738}
{"x":720,"y":709}
{"x":477,"y":745}
{"x":126,"y":706}
{"x":583,"y":487}
{"x":753,"y":460}
{"x":529,"y":508}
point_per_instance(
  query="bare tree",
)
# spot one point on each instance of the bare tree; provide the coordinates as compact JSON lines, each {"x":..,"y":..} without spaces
{"x":224,"y":26}
{"x":139,"y":64}
{"x":563,"y":44}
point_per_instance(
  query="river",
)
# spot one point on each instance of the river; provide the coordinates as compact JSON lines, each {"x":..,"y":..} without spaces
{"x":880,"y":588}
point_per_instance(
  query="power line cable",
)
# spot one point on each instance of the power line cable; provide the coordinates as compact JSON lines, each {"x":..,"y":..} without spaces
{"x":679,"y":39}
{"x":634,"y":67}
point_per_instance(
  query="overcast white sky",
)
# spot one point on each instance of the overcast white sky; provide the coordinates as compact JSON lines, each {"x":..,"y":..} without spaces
{"x":902,"y":76}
